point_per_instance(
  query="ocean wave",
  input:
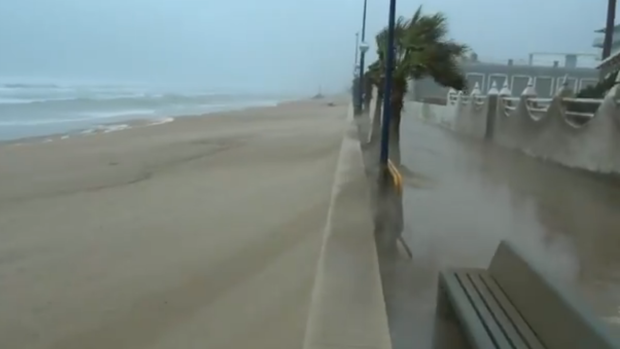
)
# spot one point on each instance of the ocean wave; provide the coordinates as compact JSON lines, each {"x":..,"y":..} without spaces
{"x":106,"y":129}
{"x":8,"y":100}
{"x":31,"y":99}
{"x":87,"y":117}
{"x":161,"y":121}
{"x":89,"y":112}
{"x":119,"y":113}
{"x":28,"y":85}
{"x":34,"y":109}
{"x":37,"y":97}
{"x":136,"y":100}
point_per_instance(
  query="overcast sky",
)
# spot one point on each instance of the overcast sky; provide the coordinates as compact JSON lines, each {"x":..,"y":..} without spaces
{"x":259,"y":44}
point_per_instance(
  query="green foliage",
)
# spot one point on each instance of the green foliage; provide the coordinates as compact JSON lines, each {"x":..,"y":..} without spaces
{"x":422,"y":49}
{"x":597,"y":91}
{"x":600,"y":89}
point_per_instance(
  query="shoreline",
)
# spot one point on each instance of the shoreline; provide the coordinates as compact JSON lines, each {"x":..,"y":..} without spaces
{"x":99,"y":129}
{"x":130,"y":124}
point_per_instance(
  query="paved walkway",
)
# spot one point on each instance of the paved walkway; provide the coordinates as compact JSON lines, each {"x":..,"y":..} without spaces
{"x":462,"y":196}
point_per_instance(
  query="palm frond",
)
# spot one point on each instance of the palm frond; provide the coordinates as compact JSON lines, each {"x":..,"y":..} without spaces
{"x":422,"y":49}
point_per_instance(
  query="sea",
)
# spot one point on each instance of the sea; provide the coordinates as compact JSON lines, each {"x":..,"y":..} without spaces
{"x":36,"y":108}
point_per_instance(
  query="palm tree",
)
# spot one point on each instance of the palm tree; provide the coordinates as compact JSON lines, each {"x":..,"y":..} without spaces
{"x":422,"y":49}
{"x":368,"y":87}
{"x":374,"y":77}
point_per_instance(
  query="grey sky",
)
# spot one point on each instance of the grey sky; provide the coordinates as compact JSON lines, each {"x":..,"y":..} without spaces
{"x":259,"y":44}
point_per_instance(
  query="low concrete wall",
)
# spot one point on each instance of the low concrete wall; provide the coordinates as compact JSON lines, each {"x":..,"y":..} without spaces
{"x":541,"y":127}
{"x":348,"y":308}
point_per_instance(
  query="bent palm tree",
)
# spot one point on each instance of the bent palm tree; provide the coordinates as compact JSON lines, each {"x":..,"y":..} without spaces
{"x":422,"y":49}
{"x":374,"y":76}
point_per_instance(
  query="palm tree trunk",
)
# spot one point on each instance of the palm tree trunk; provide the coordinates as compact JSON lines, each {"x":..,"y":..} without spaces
{"x":395,"y":133}
{"x":396,"y":105}
{"x":367,"y":102}
{"x":367,"y":95}
{"x":376,"y":121}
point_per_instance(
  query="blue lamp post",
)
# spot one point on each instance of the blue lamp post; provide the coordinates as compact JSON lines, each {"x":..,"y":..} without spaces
{"x":389,"y":68}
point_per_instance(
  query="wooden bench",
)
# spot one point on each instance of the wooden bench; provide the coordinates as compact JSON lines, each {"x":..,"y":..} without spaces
{"x":512,"y":305}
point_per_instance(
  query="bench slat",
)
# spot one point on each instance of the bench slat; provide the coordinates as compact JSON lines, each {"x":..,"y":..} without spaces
{"x":496,"y":310}
{"x":512,"y":305}
{"x":474,"y":329}
{"x":481,"y":308}
{"x":511,"y":313}
{"x":558,"y":317}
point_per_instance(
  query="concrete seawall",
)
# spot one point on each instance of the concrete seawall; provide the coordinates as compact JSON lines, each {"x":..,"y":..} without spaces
{"x":347,"y":307}
{"x":541,"y":127}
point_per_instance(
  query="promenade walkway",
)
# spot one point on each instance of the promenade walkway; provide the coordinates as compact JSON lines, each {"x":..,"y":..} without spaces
{"x":462,"y":196}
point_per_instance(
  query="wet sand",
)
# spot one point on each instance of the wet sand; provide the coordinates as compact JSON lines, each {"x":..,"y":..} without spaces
{"x":462,"y":196}
{"x":201,"y":233}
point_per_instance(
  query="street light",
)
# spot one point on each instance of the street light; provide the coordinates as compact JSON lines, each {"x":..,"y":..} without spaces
{"x":609,"y":28}
{"x":389,"y":68}
{"x":363,"y":48}
{"x":357,"y":46}
{"x":355,"y":81}
{"x":609,"y":33}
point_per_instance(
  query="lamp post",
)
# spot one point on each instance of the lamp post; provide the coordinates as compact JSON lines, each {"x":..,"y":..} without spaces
{"x":360,"y":97}
{"x":357,"y":50}
{"x":609,"y":28}
{"x":609,"y":33}
{"x":363,"y":46}
{"x":355,"y":82}
{"x":387,"y":95}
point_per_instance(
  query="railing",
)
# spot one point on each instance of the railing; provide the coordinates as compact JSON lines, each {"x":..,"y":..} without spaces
{"x":577,"y":110}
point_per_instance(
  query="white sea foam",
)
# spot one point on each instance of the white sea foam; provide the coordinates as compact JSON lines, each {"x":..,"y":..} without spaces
{"x":106,"y":129}
{"x":161,"y":121}
{"x":92,"y":116}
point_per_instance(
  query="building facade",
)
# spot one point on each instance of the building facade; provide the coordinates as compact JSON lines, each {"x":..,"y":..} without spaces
{"x":546,"y":78}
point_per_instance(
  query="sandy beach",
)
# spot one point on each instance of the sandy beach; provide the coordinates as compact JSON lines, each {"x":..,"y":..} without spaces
{"x":200,"y":233}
